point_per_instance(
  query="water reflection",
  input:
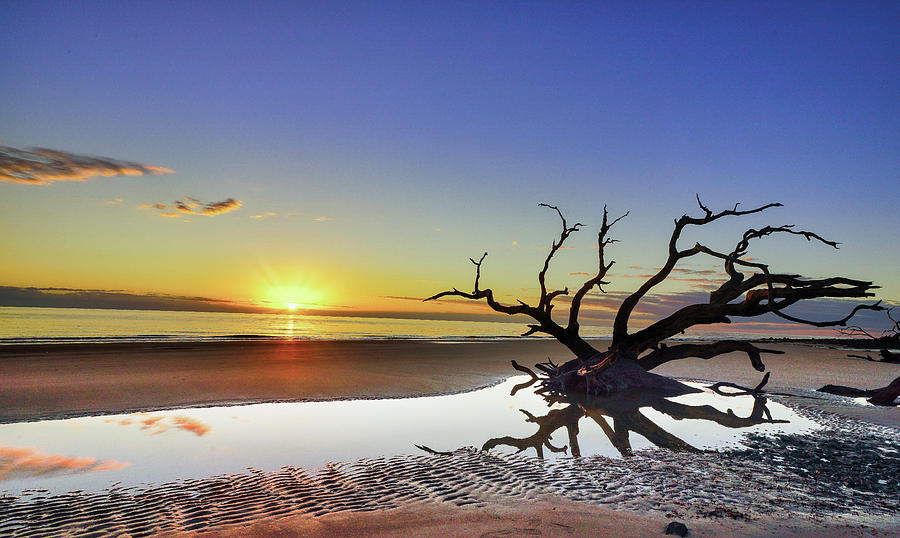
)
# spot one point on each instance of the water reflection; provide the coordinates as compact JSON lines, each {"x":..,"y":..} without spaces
{"x":618,"y":417}
{"x":155,"y":425}
{"x":29,"y":462}
{"x":205,"y":442}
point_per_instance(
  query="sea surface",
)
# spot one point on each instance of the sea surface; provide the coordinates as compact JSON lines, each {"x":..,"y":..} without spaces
{"x":19,"y":325}
{"x":64,"y":325}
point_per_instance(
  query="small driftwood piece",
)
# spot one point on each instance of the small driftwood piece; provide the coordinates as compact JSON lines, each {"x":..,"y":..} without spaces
{"x":433,"y":451}
{"x":886,"y":356}
{"x":884,"y":396}
{"x":742,"y":391}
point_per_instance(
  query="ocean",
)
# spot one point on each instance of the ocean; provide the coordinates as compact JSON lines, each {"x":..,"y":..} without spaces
{"x":19,"y":325}
{"x":65,"y":325}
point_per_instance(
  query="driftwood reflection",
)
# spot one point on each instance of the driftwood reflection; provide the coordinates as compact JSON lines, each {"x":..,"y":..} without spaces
{"x":618,"y":417}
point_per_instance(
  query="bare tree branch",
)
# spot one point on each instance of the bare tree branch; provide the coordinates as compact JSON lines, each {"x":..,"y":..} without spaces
{"x":540,"y":313}
{"x":726,"y":291}
{"x":620,"y":325}
{"x":602,"y":269}
{"x":546,"y":298}
{"x":664,"y":354}
{"x":796,"y":289}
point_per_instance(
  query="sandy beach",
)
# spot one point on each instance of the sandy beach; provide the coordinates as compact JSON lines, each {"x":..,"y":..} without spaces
{"x":47,"y":381}
{"x":53,"y":380}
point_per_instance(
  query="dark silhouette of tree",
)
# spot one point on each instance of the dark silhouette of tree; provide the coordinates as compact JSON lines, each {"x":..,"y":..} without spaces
{"x":751,"y":290}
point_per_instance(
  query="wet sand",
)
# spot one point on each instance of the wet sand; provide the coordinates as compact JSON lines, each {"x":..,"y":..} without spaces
{"x":638,"y":496}
{"x":549,"y":515}
{"x":46,"y":381}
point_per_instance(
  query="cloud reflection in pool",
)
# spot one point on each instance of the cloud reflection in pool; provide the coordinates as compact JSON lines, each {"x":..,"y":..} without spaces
{"x":308,"y":434}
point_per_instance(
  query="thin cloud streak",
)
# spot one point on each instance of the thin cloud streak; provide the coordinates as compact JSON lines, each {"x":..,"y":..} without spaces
{"x":41,"y":166}
{"x":155,"y":425}
{"x":25,"y":462}
{"x":193,"y":206}
{"x":116,"y":299}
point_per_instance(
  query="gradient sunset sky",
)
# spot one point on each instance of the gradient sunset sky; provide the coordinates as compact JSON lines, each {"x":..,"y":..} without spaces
{"x":352,"y":156}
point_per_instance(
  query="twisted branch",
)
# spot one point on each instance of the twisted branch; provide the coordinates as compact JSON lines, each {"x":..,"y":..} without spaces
{"x":620,"y":326}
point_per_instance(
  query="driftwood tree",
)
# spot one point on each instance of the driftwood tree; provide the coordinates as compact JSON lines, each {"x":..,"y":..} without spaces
{"x":751,"y":290}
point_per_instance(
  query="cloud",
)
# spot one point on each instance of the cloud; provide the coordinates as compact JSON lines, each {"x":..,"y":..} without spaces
{"x":24,"y":462}
{"x":322,"y":219}
{"x":264,"y":215}
{"x":705,"y":279}
{"x":115,"y":299}
{"x":193,"y":206}
{"x":41,"y":166}
{"x":113,"y":202}
{"x":194,"y":426}
{"x":155,"y":425}
{"x":707,"y":272}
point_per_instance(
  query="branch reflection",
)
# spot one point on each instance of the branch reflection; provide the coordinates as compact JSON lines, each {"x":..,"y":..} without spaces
{"x":621,"y":415}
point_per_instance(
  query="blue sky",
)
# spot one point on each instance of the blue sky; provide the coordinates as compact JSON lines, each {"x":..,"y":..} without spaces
{"x":419,"y":134}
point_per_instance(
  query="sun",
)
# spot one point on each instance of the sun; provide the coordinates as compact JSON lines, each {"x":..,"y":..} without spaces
{"x":291,"y":306}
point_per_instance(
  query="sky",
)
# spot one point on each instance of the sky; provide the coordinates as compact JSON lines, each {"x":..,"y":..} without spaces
{"x":350,"y":157}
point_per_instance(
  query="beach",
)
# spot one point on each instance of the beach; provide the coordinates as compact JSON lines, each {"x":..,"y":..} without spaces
{"x":53,"y":380}
{"x":638,"y":497}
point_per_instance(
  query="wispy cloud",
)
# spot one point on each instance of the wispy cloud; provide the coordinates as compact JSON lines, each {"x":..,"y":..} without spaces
{"x":24,"y":462}
{"x":322,"y":219}
{"x":113,"y":201}
{"x":265,"y":215}
{"x":116,"y":299}
{"x":155,"y":425}
{"x":193,"y":206}
{"x":41,"y":166}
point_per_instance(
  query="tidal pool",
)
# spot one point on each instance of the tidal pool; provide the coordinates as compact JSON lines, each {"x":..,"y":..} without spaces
{"x":137,"y":450}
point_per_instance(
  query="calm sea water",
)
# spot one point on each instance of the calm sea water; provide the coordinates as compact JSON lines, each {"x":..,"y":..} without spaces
{"x":58,"y":325}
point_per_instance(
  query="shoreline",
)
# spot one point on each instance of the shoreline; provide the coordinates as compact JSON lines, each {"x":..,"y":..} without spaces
{"x":48,"y":381}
